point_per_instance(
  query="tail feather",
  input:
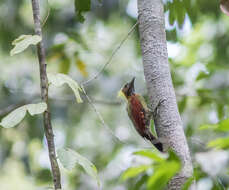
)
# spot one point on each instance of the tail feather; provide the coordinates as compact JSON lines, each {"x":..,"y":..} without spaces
{"x":154,"y":141}
{"x":159,"y":146}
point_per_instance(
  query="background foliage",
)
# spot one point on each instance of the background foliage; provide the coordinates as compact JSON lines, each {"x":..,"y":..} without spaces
{"x":197,"y":34}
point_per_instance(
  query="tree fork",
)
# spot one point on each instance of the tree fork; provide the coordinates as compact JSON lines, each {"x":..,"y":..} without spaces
{"x":159,"y":85}
{"x":44,"y":96}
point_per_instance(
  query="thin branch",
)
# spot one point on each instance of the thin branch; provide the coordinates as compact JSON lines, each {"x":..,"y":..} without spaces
{"x":95,"y":101}
{"x":105,"y":125}
{"x":44,"y":95}
{"x":46,"y":17}
{"x":100,"y":117}
{"x":112,"y":55}
{"x":106,"y":102}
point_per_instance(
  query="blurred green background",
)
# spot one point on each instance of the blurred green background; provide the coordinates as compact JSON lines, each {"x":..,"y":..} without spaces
{"x":198,"y":55}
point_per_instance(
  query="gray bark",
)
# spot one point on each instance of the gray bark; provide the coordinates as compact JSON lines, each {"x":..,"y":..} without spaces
{"x":159,"y":85}
{"x":44,"y":96}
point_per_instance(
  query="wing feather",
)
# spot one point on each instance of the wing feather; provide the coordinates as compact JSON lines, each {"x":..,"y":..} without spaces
{"x":137,"y":113}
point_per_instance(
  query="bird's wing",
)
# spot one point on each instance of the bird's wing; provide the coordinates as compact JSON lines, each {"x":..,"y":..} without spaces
{"x":147,"y":113}
{"x":129,"y":111}
{"x":143,"y":102}
{"x":137,"y":113}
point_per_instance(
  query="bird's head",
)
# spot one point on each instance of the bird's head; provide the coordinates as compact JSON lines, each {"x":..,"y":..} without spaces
{"x":128,"y":89}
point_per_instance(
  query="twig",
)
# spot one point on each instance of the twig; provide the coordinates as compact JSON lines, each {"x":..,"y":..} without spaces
{"x":106,"y":102}
{"x":100,"y":116}
{"x":46,"y":17}
{"x":44,"y":96}
{"x":105,"y":125}
{"x":112,"y":55}
{"x":95,"y":101}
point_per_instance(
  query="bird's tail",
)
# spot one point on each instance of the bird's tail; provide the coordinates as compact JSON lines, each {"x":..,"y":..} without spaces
{"x":154,"y":141}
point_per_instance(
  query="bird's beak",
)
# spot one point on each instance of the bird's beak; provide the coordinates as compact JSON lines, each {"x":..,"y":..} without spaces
{"x":132,"y":84}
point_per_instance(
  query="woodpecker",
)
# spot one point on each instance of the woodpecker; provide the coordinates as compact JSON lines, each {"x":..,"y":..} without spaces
{"x":139,"y":113}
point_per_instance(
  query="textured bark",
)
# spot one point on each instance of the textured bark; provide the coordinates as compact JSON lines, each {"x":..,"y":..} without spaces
{"x":44,"y":95}
{"x":159,"y":85}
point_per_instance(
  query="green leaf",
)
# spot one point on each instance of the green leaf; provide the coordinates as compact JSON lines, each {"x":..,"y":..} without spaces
{"x":134,"y":171}
{"x":202,"y":75}
{"x":64,"y":65}
{"x":224,"y":125}
{"x":82,"y":67}
{"x":173,"y":156}
{"x":149,"y":154}
{"x":188,"y":183}
{"x":208,"y":126}
{"x":69,"y":158}
{"x":35,"y":109}
{"x":16,"y":116}
{"x":163,"y":174}
{"x":182,"y":104}
{"x":219,"y":143}
{"x":13,"y":118}
{"x":172,"y":13}
{"x":22,"y":42}
{"x":60,"y":79}
{"x":82,"y":6}
{"x":164,"y":171}
{"x":180,"y":10}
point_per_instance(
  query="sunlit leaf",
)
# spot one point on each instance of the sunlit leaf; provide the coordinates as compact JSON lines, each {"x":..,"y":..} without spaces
{"x":149,"y":154}
{"x":191,"y":9}
{"x":180,"y":10}
{"x":134,"y":171}
{"x":219,"y":143}
{"x":182,"y":104}
{"x":60,"y":79}
{"x":172,"y":13}
{"x":163,"y":174}
{"x":16,"y":116}
{"x":55,"y":56}
{"x":224,"y":125}
{"x":34,"y":109}
{"x":23,"y":41}
{"x":221,"y":126}
{"x":208,"y":127}
{"x":82,"y":6}
{"x":13,"y":118}
{"x":202,"y":75}
{"x":70,"y":158}
{"x":177,"y":12}
{"x":188,"y":183}
{"x":65,"y":64}
{"x":82,"y":67}
{"x":173,"y":156}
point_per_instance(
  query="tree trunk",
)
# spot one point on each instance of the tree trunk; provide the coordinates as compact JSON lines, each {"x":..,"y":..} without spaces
{"x":159,"y":84}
